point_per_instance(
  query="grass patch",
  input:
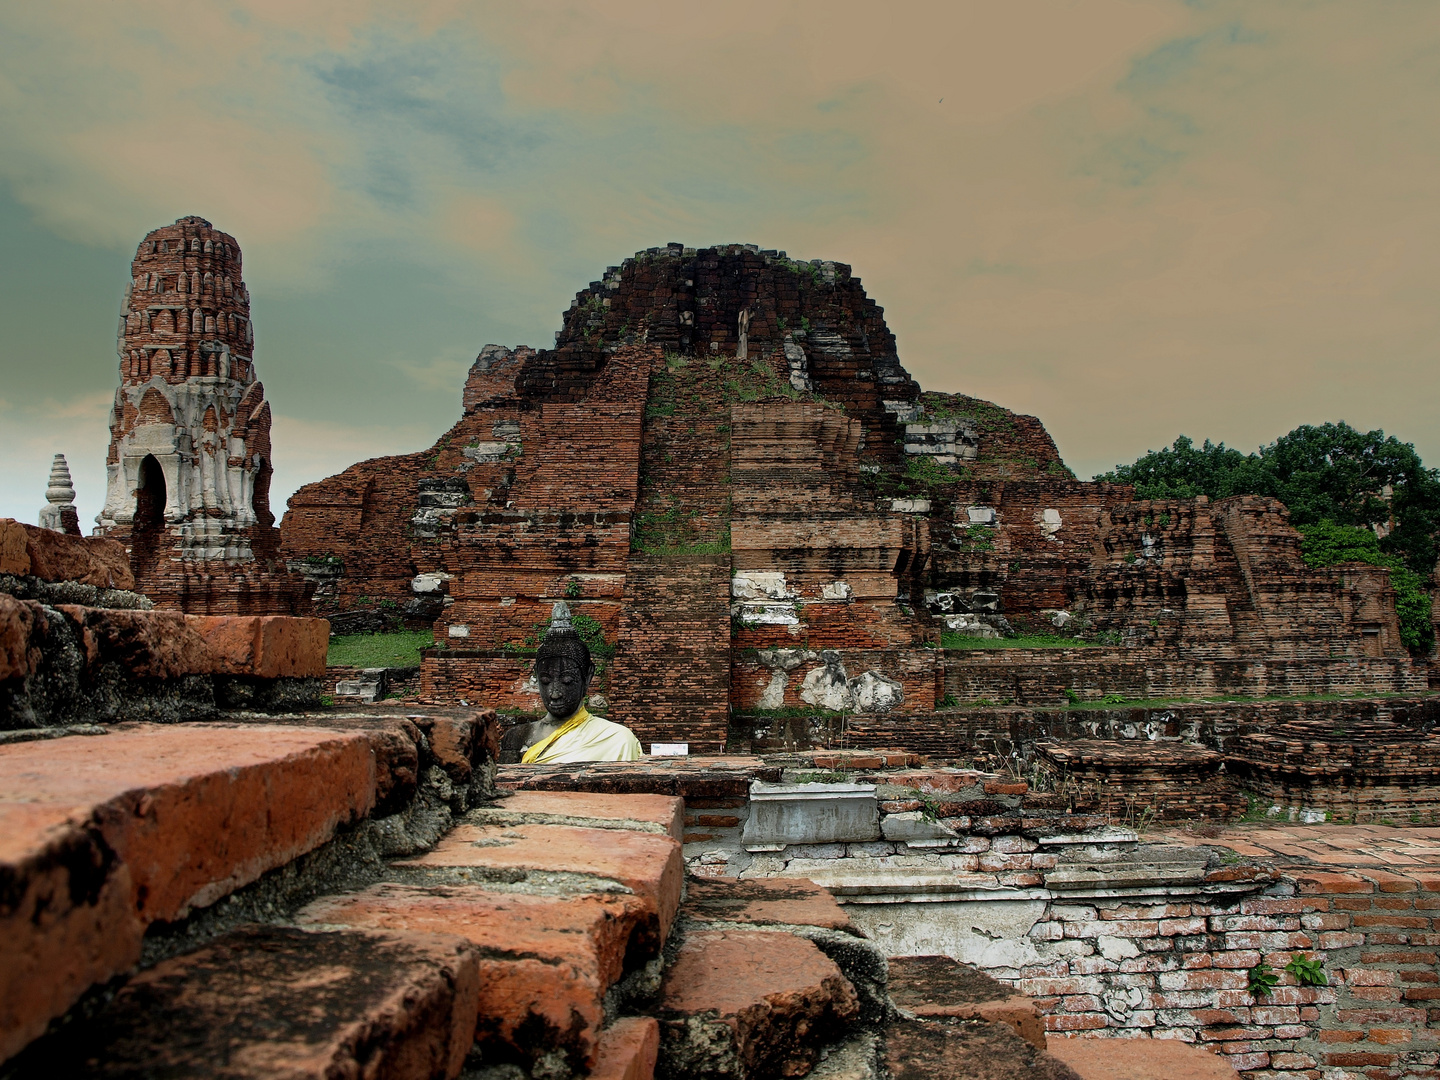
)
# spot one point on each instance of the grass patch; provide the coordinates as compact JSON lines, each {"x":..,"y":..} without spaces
{"x":400,"y":649}
{"x":950,"y":639}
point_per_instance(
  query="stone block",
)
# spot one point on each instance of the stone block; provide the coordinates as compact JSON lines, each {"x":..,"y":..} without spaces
{"x":811,"y":814}
{"x":917,"y":830}
{"x":750,"y":1004}
{"x":762,"y":901}
{"x":263,"y":646}
{"x":546,"y":961}
{"x":649,"y":864}
{"x":663,"y":812}
{"x":275,"y":1001}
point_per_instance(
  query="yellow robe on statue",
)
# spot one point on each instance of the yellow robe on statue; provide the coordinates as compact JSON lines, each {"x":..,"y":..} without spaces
{"x":584,"y":738}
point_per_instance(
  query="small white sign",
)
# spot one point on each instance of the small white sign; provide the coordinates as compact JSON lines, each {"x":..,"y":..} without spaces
{"x":669,"y":749}
{"x":459,"y":630}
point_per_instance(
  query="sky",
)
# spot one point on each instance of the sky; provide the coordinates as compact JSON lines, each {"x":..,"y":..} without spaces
{"x":1134,"y":219}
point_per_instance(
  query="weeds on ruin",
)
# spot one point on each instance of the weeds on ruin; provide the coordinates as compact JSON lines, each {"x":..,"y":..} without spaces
{"x":1307,"y":971}
{"x":1260,"y":980}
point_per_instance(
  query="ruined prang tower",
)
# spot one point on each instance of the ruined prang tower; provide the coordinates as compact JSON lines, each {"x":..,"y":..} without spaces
{"x":189,"y":462}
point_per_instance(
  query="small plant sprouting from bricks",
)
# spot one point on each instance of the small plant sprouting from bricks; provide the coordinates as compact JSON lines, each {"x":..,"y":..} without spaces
{"x":1071,"y":696}
{"x":572,"y":590}
{"x":1260,"y":980}
{"x":949,"y":701}
{"x":1307,"y":971}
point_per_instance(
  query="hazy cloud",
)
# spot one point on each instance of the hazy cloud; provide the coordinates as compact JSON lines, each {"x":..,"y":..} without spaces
{"x":1131,"y":217}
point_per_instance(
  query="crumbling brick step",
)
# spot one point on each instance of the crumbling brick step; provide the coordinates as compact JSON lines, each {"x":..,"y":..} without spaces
{"x":101,"y":836}
{"x":764,"y":901}
{"x":936,"y":986}
{"x":1140,"y":1059}
{"x":546,"y":961}
{"x":966,"y":1050}
{"x":276,"y":1002}
{"x":750,"y":1005}
{"x":649,"y":864}
{"x":646,"y":812}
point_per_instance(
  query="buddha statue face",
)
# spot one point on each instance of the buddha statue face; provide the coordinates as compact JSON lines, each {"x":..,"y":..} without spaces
{"x":563,"y":682}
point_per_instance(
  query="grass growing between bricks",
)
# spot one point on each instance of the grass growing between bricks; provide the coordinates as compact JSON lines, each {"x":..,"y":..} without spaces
{"x":399,"y":649}
{"x":951,"y":640}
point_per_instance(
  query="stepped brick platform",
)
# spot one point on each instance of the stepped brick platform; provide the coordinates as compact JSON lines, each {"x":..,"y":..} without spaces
{"x":1167,"y":780}
{"x":1359,"y":770}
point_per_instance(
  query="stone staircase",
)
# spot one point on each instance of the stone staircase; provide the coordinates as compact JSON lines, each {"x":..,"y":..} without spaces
{"x":347,"y":895}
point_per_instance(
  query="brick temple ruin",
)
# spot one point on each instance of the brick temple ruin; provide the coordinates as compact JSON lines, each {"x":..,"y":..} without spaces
{"x":882,"y":859}
{"x":723,"y":463}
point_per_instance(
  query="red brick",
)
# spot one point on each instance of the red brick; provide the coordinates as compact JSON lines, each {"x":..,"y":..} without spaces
{"x":938,"y":986}
{"x":1311,"y":882}
{"x":262,"y":646}
{"x":274,"y":1001}
{"x":762,"y":901}
{"x":778,"y":995}
{"x":54,"y":556}
{"x":628,"y":1050}
{"x":1388,"y":882}
{"x":648,"y":863}
{"x":1352,"y":1058}
{"x":146,"y":823}
{"x":1122,"y":1059}
{"x":546,"y":961}
{"x":1414,"y":922}
{"x":14,"y":548}
{"x":664,"y":811}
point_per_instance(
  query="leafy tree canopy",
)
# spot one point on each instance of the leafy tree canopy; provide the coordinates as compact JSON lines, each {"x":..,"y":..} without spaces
{"x":1327,"y":473}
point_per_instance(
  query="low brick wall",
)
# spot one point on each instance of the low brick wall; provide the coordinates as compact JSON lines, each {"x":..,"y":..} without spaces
{"x":1042,"y":676}
{"x":965,"y":731}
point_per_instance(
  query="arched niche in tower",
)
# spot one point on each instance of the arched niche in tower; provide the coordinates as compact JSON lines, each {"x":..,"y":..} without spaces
{"x":149,"y":525}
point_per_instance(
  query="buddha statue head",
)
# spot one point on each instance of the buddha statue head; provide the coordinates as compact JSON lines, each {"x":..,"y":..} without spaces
{"x":563,"y":667}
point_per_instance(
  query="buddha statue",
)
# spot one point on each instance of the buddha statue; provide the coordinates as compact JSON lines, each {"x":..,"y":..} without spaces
{"x":568,"y":732}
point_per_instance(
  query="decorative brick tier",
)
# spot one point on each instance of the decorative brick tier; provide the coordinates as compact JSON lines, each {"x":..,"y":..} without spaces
{"x":1356,"y":770}
{"x":1142,"y":779}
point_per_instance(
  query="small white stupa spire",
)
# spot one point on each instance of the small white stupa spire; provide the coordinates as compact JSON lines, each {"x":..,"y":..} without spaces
{"x":59,"y":513}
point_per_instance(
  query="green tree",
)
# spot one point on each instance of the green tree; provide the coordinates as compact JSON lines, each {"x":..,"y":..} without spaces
{"x":1183,"y":471}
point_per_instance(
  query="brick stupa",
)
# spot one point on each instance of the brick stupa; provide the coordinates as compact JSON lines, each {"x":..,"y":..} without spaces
{"x":189,"y":463}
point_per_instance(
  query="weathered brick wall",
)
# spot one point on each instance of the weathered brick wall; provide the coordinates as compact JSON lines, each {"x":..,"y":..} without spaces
{"x":671,"y":675}
{"x":962,"y":732}
{"x":1042,"y":676}
{"x":1179,"y":969}
{"x":474,"y":677}
{"x":913,"y":669}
